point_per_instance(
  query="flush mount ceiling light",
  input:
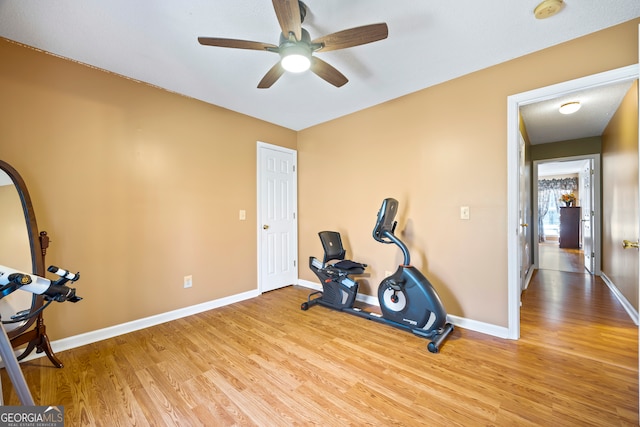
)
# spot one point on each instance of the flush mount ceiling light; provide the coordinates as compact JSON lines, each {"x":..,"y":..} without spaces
{"x":569,"y":107}
{"x":547,"y":8}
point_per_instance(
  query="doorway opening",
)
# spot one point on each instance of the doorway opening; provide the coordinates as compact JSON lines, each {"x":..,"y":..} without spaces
{"x":514,"y":103}
{"x":566,"y":235}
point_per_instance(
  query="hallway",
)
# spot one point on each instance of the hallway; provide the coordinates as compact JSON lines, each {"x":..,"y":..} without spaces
{"x":577,"y":314}
{"x":552,"y":257}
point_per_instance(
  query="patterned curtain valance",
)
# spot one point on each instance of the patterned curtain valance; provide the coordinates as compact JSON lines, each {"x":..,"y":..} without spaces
{"x":558,"y":184}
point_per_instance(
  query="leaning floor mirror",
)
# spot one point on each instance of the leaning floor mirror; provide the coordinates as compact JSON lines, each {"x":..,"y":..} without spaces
{"x":22,"y":248}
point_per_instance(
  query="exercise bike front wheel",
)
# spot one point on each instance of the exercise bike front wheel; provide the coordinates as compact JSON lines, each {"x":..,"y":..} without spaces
{"x":304,"y":306}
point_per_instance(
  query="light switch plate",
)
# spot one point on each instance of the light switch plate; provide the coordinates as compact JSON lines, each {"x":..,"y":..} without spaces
{"x":464,"y":212}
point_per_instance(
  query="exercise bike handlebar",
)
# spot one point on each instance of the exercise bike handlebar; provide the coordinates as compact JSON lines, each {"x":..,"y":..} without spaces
{"x":386,"y":225}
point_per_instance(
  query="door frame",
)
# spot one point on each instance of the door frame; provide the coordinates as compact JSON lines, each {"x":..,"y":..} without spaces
{"x":514,"y":102}
{"x":595,"y":204}
{"x":259,"y":205}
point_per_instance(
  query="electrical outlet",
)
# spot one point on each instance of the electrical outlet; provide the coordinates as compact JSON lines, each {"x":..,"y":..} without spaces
{"x":188,"y":281}
{"x":243,"y":214}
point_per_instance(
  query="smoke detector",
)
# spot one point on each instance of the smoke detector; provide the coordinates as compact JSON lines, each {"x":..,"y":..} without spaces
{"x":548,"y":8}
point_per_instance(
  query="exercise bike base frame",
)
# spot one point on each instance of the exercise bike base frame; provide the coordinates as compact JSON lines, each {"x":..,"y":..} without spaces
{"x":435,"y":337}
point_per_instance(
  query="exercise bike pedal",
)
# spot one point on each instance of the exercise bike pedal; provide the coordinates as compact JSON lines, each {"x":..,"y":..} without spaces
{"x":393,"y":284}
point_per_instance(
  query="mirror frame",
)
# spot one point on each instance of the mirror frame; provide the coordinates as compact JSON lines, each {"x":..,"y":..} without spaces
{"x":35,"y":338}
{"x":37,"y":255}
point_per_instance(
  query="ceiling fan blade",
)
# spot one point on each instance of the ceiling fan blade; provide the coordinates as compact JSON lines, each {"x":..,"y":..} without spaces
{"x":236,"y":44}
{"x":327,"y":72}
{"x":271,"y":77}
{"x":353,"y":37}
{"x":288,"y":13}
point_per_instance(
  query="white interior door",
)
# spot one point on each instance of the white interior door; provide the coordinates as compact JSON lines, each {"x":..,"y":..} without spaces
{"x":586,"y":203}
{"x":277,"y":217}
{"x":525,"y":233}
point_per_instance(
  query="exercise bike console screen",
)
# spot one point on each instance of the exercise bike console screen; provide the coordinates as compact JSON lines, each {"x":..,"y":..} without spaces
{"x":386,"y":217}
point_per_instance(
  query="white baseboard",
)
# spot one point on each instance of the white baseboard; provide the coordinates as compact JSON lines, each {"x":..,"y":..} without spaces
{"x":309,"y":284}
{"x":477,"y":326}
{"x":527,"y":279}
{"x":135,"y":325}
{"x":628,"y":307}
{"x":367,"y":299}
{"x":464,"y":323}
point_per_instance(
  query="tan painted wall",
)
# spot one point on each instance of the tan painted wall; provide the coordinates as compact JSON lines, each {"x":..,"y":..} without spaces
{"x":436,"y":150}
{"x":136,"y":186}
{"x":620,"y":197}
{"x":574,"y":147}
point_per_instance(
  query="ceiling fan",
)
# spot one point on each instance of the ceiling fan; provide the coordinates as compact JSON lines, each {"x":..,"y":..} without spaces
{"x":296,"y":47}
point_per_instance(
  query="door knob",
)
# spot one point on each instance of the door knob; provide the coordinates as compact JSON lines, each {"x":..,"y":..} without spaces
{"x":524,"y":225}
{"x":265,"y":227}
{"x":629,"y":244}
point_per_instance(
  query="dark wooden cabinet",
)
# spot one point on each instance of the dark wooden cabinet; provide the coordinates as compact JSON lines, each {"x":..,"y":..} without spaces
{"x":570,"y":227}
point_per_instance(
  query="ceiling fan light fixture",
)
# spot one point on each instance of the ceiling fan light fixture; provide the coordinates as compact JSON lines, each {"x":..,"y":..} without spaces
{"x":296,"y":47}
{"x":569,"y":107}
{"x":296,"y":59}
{"x":296,"y":63}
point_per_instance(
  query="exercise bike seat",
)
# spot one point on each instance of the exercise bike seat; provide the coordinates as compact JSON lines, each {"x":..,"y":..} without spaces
{"x":333,"y":250}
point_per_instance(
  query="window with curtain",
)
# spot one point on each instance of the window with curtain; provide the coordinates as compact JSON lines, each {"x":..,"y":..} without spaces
{"x":549,"y":193}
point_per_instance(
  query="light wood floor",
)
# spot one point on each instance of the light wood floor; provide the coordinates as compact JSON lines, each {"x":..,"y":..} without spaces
{"x":265,"y":362}
{"x":552,"y":257}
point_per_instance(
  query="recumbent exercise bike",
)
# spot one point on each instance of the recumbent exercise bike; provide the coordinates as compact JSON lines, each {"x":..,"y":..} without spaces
{"x":407,"y":299}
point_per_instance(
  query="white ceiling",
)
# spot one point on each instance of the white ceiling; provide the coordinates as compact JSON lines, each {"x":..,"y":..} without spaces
{"x":560,"y":168}
{"x":155,"y":41}
{"x":545,"y":124}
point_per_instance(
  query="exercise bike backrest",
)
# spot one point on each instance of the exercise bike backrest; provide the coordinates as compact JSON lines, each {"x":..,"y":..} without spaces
{"x":332,"y":245}
{"x":386,"y":225}
{"x":333,"y":250}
